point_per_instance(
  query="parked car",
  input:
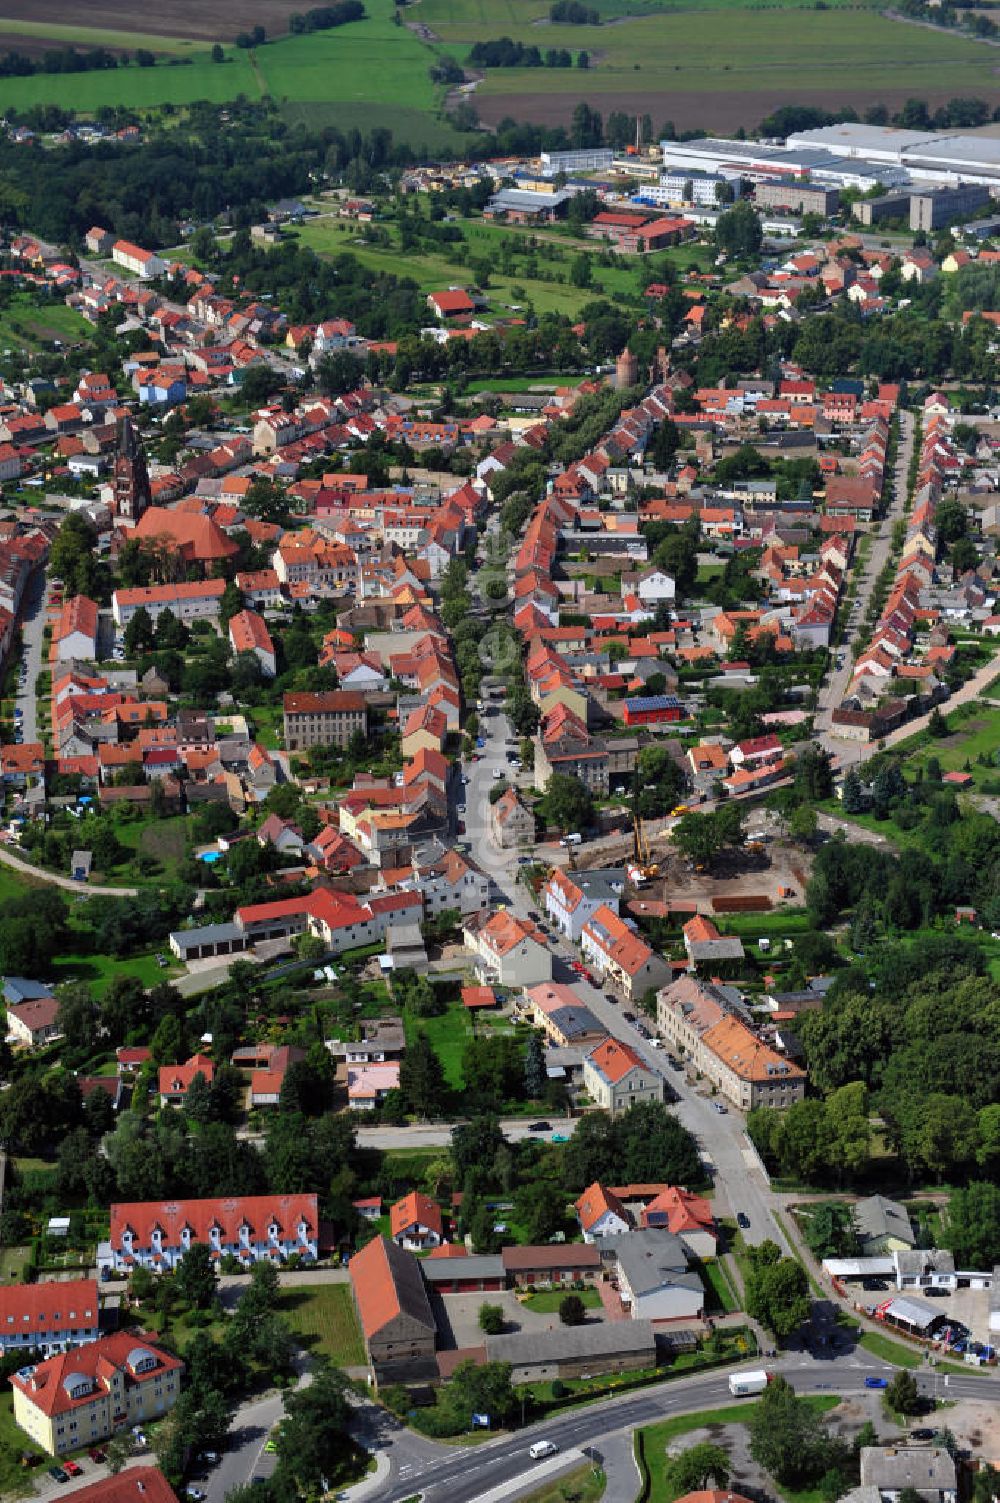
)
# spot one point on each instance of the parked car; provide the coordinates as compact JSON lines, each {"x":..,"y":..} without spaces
{"x":874,"y":1284}
{"x":73,"y":1468}
{"x":629,"y":1017}
{"x":97,"y":1455}
{"x":935,"y":1292}
{"x":197,"y":1494}
{"x":539,"y":1126}
{"x":871,"y":1382}
{"x":923,"y":1433}
{"x":57,"y":1474}
{"x":742,"y":1220}
{"x":718,"y":1106}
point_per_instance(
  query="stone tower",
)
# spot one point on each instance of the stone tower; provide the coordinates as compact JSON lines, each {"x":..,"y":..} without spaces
{"x":626,"y":370}
{"x":132,"y":490}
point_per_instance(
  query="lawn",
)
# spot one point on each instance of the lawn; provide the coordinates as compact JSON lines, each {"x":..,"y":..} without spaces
{"x":653,"y":1440}
{"x":30,"y":322}
{"x":100,"y":970}
{"x":891,"y":1351}
{"x":13,"y":1259}
{"x":323,"y":1314}
{"x":584,"y":1485}
{"x":139,"y":88}
{"x":15,"y":1480}
{"x":547,"y":1301}
{"x":432,"y":271}
{"x":719,"y":1290}
{"x":448,"y":1034}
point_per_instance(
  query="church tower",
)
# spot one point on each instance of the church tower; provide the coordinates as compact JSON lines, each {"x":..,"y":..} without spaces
{"x":132,"y":489}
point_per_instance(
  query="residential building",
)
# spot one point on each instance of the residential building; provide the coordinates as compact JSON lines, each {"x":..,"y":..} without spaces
{"x":141,"y":263}
{"x":571,"y":898}
{"x":556,"y":1009}
{"x":395,"y":1313}
{"x":368,"y":1085}
{"x":137,"y":1484}
{"x":155,"y":1234}
{"x":248,"y":633}
{"x":883,"y":1226}
{"x":798,"y":196}
{"x":511,"y":823}
{"x":82,"y":1396}
{"x":191,"y":600}
{"x":706,"y":946}
{"x":48,"y":1317}
{"x":928,"y":1471}
{"x":687,"y":1216}
{"x":416,"y":1222}
{"x":175,"y":1080}
{"x":687,"y":1008}
{"x":620,"y":956}
{"x":508,"y":950}
{"x":748,"y":1072}
{"x":329,"y":718}
{"x":75,"y":633}
{"x":654,"y":1280}
{"x":601,"y":1214}
{"x":615,"y":1077}
{"x":35,"y":1020}
{"x":934,"y":207}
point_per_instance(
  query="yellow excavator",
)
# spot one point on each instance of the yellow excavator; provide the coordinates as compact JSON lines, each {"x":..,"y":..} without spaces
{"x":643,"y":856}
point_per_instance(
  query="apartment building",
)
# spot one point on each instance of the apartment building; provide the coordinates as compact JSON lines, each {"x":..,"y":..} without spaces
{"x":157,"y":1234}
{"x":616,"y":1077}
{"x":620,"y":956}
{"x":48,"y":1317}
{"x":194,"y":600}
{"x":82,"y":1396}
{"x":329,"y":718}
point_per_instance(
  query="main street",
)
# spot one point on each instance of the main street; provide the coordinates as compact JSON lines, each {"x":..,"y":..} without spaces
{"x":463,"y":1474}
{"x":739,"y":1180}
{"x":836,"y":686}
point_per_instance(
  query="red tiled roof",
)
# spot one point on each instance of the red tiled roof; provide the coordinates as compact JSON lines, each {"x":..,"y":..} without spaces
{"x":413,"y":1208}
{"x":228,"y":1214}
{"x":97,"y":1360}
{"x":41,"y":1309}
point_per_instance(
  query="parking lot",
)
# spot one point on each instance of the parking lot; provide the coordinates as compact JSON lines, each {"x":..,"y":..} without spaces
{"x":972,"y":1308}
{"x":458,"y":1317}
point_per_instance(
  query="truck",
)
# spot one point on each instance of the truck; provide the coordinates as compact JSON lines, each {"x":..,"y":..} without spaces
{"x":742,"y":1385}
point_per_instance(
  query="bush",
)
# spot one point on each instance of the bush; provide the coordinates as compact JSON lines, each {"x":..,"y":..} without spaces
{"x":559,"y":1389}
{"x":572,"y":1310}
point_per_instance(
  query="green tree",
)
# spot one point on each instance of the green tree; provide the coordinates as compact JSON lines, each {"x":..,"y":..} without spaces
{"x":572,"y":1310}
{"x":312,"y":1439}
{"x":491,"y":1319}
{"x":420,"y":1079}
{"x":139,"y":634}
{"x":788,"y":1440}
{"x":697,"y":1467}
{"x":569,"y":803}
{"x":903,"y":1395}
{"x":534,"y":1067}
{"x":777,"y":1290}
{"x":971,"y":1227}
{"x":194,"y":1278}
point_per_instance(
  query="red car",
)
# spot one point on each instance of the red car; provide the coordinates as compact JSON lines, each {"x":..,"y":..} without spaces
{"x":578,"y":967}
{"x":73,"y":1468}
{"x":97,"y":1455}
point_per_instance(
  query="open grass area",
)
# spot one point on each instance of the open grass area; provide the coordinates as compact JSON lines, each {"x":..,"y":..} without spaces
{"x":139,"y":88}
{"x":13,"y":1259}
{"x":891,"y":1351}
{"x":33,"y":322}
{"x":448,"y":1035}
{"x":975,"y":732}
{"x":655,"y":1439}
{"x":720,"y":1292}
{"x":15,"y":1480}
{"x":584,"y":1485}
{"x":100,"y":970}
{"x":547,"y":1301}
{"x":324,"y":1316}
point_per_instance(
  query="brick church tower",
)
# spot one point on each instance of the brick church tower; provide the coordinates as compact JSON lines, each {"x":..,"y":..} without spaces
{"x":132,"y":490}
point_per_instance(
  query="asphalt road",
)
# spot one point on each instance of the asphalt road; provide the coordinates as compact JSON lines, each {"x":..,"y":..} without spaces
{"x":835,"y":688}
{"x":465,"y":1473}
{"x":32,"y":627}
{"x":740,"y":1184}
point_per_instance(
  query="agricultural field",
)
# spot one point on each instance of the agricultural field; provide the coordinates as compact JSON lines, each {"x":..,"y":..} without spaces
{"x":664,"y":58}
{"x":680,"y":66}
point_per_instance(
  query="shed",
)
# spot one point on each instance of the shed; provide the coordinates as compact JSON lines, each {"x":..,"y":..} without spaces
{"x":80,"y":866}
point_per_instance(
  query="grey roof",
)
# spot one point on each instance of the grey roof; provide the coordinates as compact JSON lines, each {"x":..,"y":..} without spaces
{"x":928,"y":1469}
{"x":575,"y":1022}
{"x":924,"y":1260}
{"x":475,"y":1266}
{"x":650,"y":1259}
{"x":729,"y":947}
{"x":878,"y":1217}
{"x":19,"y":989}
{"x":208,"y":934}
{"x":404,"y":1270}
{"x":913,"y":1312}
{"x":520,"y":199}
{"x":567,"y":1343}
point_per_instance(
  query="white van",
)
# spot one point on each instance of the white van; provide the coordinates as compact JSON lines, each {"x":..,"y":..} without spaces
{"x":542,"y":1448}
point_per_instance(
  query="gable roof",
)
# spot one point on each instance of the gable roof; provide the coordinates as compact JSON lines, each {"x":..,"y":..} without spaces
{"x":596,"y":1202}
{"x":387,"y":1283}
